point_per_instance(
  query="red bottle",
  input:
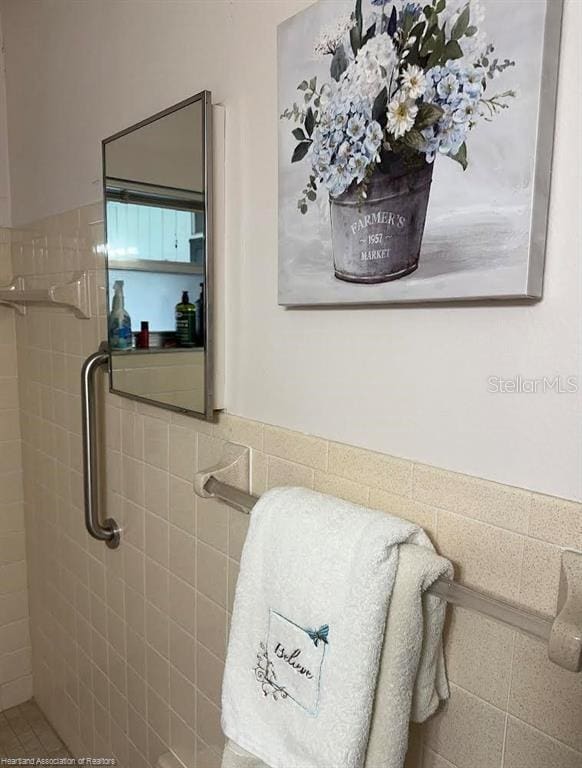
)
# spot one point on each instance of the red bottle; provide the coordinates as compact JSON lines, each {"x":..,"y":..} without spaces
{"x":143,"y":337}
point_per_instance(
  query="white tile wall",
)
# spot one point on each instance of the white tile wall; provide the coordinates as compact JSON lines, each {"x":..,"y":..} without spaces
{"x":129,"y":645}
{"x":15,"y":655}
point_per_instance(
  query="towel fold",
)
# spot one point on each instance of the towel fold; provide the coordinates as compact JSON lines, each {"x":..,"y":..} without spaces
{"x":412,"y":678}
{"x":317,"y":576}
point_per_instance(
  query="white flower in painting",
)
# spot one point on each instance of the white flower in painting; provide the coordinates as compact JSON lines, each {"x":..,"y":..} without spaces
{"x":381,"y":49}
{"x":370,"y":71}
{"x":325,"y":96}
{"x":413,"y":82}
{"x":331,"y":38}
{"x":401,"y":116}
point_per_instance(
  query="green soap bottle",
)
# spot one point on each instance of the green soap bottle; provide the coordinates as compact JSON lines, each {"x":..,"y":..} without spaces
{"x":186,"y":322}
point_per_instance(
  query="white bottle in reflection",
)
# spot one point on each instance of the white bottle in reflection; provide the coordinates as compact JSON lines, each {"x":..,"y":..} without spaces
{"x":120,"y":336}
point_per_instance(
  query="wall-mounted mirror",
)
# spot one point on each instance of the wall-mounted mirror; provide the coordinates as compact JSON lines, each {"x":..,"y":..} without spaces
{"x":158,"y":224}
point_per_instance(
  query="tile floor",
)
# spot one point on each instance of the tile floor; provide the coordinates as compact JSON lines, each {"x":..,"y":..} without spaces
{"x":25,"y":732}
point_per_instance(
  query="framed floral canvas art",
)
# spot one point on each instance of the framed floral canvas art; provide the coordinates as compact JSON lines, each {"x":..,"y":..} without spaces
{"x":415,"y":148}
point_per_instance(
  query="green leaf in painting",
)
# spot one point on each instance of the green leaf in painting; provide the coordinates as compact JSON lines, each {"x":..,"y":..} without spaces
{"x":428,"y":114}
{"x":418,"y":30}
{"x":357,"y":30}
{"x":431,"y":23}
{"x":303,"y":86}
{"x":437,"y":48}
{"x":299,"y":135}
{"x":440,"y":6}
{"x":369,"y":34}
{"x":461,"y":24}
{"x":300,"y":151}
{"x":359,"y":17}
{"x":414,"y":139}
{"x":339,"y":63}
{"x":313,"y":83}
{"x":309,"y":121}
{"x":355,"y":40}
{"x":461,"y":156}
{"x":471,"y":31}
{"x":428,"y":45}
{"x":379,"y":110}
{"x":393,"y":22}
{"x":433,"y":59}
{"x":452,"y":51}
{"x":406,"y":23}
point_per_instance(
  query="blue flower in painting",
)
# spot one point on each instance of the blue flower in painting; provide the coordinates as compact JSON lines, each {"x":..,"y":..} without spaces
{"x":448,"y":87}
{"x":370,"y":149}
{"x":457,"y":90}
{"x":358,"y":166}
{"x":436,"y":73}
{"x":473,"y":84}
{"x":454,"y":67}
{"x":473,"y":90}
{"x":344,"y":150}
{"x":374,"y":133}
{"x":321,"y":161}
{"x":336,"y":139}
{"x":451,"y":140}
{"x":413,"y":9}
{"x":465,"y":112}
{"x":430,"y":94}
{"x":356,"y":127}
{"x":339,"y":179}
{"x":431,"y":143}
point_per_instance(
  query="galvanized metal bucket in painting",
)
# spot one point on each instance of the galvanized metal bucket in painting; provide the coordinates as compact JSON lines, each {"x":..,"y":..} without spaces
{"x":379,"y":238}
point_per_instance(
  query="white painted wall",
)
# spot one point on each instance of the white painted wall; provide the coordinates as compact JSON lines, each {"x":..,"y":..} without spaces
{"x":4,"y":164}
{"x":408,"y":381}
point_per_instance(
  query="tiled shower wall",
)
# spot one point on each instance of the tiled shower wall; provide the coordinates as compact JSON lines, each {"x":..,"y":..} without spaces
{"x":128,"y":645}
{"x":15,"y":677}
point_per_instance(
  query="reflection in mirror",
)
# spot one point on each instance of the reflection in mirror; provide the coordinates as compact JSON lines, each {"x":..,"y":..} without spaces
{"x":157,"y":209}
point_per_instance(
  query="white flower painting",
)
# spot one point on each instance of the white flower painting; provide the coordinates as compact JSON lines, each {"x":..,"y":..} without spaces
{"x":408,"y":138}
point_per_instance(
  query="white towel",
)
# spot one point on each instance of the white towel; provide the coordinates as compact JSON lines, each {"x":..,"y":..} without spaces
{"x":412,"y":679}
{"x":412,"y":651}
{"x":310,"y":611}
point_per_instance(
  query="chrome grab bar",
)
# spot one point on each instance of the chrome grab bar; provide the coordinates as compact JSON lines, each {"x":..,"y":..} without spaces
{"x":108,"y":531}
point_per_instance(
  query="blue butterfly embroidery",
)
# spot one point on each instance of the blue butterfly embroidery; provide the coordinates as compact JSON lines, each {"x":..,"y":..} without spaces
{"x":319,"y":634}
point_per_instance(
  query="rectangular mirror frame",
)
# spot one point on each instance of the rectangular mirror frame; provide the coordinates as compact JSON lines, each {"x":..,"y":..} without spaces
{"x":208,"y":414}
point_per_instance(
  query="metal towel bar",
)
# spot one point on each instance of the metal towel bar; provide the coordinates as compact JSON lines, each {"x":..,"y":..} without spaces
{"x":563,"y":634}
